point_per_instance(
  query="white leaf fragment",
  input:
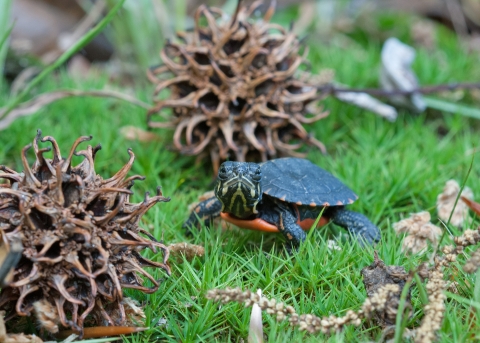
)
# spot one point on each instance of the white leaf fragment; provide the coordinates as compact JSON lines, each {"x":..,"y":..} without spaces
{"x":255,"y":331}
{"x":397,"y":74}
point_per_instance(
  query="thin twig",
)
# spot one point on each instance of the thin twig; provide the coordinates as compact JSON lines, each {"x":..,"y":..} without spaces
{"x":38,"y":102}
{"x":331,"y":89}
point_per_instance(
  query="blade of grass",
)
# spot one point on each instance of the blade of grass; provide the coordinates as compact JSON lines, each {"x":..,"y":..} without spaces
{"x":463,"y":300}
{"x":476,"y":293}
{"x":447,"y":106}
{"x":401,"y":320}
{"x":5,"y":30}
{"x":4,"y":38}
{"x":455,"y":204}
{"x":63,"y":58}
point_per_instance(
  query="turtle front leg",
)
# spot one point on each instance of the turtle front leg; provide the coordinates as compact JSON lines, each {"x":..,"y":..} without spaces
{"x":205,"y":211}
{"x":287,"y":225}
{"x":357,"y":224}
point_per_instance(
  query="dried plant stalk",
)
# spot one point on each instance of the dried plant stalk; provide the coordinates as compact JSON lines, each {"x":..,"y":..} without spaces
{"x":308,"y":322}
{"x":81,"y":239}
{"x":435,"y":309}
{"x":384,"y":286}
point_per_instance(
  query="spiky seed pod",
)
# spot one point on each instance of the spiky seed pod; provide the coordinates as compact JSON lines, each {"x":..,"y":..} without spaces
{"x":81,"y":239}
{"x":234,"y":87}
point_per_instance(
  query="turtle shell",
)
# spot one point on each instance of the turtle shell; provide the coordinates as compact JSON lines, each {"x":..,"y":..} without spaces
{"x":301,"y":182}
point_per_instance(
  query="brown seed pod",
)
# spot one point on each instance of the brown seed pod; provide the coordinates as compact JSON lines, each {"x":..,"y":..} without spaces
{"x":235,"y":87}
{"x":378,"y":275}
{"x":81,"y":239}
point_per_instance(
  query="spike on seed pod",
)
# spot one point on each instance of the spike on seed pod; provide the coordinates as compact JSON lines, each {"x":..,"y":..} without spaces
{"x":236,"y":88}
{"x":81,"y":239}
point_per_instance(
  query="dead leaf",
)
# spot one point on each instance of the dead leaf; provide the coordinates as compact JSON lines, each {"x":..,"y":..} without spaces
{"x":133,"y":133}
{"x":446,"y":203}
{"x":474,"y":206}
{"x":419,"y":230}
{"x":397,"y":74}
{"x":134,"y":312}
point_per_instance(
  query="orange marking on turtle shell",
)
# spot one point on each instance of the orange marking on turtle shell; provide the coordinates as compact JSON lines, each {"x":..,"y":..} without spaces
{"x":350,"y":201}
{"x":339,"y":203}
{"x":197,"y":209}
{"x":289,"y":236}
{"x":299,"y":203}
{"x":283,"y":198}
{"x":326,"y":204}
{"x":312,"y":204}
{"x":210,"y":203}
{"x":267,"y":191}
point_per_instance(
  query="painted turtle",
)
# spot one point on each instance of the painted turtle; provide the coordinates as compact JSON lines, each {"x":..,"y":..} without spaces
{"x":284,"y":195}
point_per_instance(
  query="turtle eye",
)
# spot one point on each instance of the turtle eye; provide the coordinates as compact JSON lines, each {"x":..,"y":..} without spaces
{"x":257,"y":176}
{"x":222,"y":173}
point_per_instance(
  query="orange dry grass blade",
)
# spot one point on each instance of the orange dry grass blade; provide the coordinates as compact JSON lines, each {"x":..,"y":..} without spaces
{"x":474,"y":206}
{"x":102,"y":331}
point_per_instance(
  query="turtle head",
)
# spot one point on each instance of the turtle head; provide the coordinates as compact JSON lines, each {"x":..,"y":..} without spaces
{"x":238,"y":188}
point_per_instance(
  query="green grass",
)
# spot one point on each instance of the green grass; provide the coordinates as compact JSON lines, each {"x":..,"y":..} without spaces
{"x":396,"y":168}
{"x":5,"y":28}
